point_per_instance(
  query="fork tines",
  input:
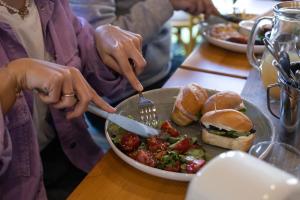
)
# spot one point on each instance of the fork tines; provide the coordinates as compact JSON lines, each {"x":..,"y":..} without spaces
{"x":147,"y":111}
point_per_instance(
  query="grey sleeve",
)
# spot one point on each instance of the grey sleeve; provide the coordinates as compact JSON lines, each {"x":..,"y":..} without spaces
{"x":145,"y":17}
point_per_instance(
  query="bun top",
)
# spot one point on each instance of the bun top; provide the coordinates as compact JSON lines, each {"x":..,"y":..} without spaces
{"x":227,"y":119}
{"x":223,"y":100}
{"x":191,"y":98}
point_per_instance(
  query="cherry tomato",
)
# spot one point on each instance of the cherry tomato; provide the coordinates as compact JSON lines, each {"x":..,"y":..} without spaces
{"x":155,"y":144}
{"x":146,"y":158}
{"x":194,"y":166}
{"x":167,"y":127}
{"x":183,"y":145}
{"x":130,"y":142}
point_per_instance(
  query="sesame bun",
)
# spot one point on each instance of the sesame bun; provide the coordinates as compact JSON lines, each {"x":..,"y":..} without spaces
{"x":188,"y":104}
{"x":223,"y":100}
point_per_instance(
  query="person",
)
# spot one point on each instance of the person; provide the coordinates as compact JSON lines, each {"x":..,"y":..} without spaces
{"x":149,"y":18}
{"x":45,"y":48}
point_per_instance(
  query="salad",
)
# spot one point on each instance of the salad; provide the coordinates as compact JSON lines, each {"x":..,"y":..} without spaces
{"x":169,"y":151}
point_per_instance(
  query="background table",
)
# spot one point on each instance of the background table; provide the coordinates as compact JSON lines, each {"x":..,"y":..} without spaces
{"x":212,"y":59}
{"x":211,"y":81}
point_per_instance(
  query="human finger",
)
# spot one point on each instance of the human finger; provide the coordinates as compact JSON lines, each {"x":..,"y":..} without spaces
{"x":138,"y":61}
{"x":210,"y":9}
{"x":98,"y":101}
{"x":127,"y":70}
{"x":53,"y":87}
{"x":137,"y":39}
{"x":112,"y":63}
{"x":83,"y":95}
{"x":68,"y":98}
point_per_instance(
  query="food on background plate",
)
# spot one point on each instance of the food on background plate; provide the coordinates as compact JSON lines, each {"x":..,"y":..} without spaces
{"x":227,"y":128}
{"x":170,"y":151}
{"x":224,"y":100}
{"x":237,"y":17}
{"x":227,"y":32}
{"x":188,"y":104}
{"x":233,"y":33}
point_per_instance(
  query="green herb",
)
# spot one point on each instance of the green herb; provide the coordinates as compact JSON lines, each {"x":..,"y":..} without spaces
{"x":172,"y":146}
{"x":143,"y":145}
{"x":117,"y":138}
{"x":230,"y":134}
{"x":173,"y":140}
{"x":115,"y":129}
{"x":160,"y":122}
{"x":169,"y":159}
{"x":243,"y":110}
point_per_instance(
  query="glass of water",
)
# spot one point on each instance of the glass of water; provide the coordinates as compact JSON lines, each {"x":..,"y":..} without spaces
{"x":280,"y":155}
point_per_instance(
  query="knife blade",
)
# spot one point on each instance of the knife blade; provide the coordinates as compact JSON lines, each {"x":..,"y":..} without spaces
{"x":124,"y":122}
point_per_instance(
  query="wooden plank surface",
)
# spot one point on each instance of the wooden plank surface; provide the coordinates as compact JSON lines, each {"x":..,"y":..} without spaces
{"x":207,"y":80}
{"x":113,"y":179}
{"x":209,"y":58}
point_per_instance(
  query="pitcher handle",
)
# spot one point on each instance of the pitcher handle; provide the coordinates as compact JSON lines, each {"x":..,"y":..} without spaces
{"x":268,"y":98}
{"x":255,"y":62}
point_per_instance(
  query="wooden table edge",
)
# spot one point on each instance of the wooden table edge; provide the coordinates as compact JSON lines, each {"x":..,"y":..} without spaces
{"x":213,"y":72}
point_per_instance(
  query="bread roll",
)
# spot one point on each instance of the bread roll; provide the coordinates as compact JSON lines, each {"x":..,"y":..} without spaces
{"x":223,"y":100}
{"x":188,"y":104}
{"x":242,"y":143}
{"x":227,"y":119}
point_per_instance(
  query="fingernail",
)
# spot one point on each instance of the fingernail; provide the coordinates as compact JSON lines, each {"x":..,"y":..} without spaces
{"x":140,"y":87}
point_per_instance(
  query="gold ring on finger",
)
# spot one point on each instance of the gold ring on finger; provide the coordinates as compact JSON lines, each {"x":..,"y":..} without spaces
{"x":69,"y":95}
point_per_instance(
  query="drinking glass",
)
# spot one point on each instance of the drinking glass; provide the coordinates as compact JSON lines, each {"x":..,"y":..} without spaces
{"x":280,"y":155}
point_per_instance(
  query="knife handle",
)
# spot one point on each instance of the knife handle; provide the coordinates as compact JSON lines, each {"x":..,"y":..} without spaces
{"x":92,"y":108}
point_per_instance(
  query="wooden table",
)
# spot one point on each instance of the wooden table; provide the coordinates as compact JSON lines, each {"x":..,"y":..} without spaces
{"x":211,"y":81}
{"x":212,"y":59}
{"x":113,"y":179}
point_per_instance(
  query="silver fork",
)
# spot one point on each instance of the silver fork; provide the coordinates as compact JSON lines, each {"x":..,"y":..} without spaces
{"x":147,"y":111}
{"x":146,"y":107}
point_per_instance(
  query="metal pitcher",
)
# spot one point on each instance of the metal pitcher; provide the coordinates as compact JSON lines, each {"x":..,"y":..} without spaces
{"x":289,"y":112}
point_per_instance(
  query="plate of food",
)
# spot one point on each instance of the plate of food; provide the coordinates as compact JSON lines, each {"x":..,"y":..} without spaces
{"x":227,"y":36}
{"x":237,"y":17}
{"x":196,"y":125}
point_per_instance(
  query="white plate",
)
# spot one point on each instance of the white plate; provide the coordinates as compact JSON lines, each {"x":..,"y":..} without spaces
{"x":232,"y":46}
{"x":235,"y":175}
{"x":164,"y":100}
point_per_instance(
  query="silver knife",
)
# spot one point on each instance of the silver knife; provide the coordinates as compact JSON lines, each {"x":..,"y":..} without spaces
{"x":124,"y":122}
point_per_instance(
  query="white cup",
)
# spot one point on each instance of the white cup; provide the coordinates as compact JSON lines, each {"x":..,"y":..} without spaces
{"x":235,"y":175}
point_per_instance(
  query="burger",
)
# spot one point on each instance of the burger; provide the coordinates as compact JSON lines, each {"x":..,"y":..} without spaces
{"x":227,"y":128}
